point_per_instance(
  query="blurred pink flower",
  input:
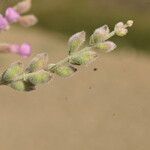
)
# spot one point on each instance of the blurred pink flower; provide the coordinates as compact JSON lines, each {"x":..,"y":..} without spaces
{"x":14,"y":48}
{"x":25,"y":50}
{"x":4,"y":25}
{"x":12,"y":15}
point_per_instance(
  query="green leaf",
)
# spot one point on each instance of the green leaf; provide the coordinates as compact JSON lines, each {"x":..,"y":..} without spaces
{"x":39,"y":77}
{"x":12,"y":72}
{"x":38,"y":63}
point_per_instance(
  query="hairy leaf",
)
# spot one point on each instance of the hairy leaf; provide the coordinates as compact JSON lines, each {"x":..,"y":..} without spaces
{"x":12,"y":71}
{"x":38,"y":63}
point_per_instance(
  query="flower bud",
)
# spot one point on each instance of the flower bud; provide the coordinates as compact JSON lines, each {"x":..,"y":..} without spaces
{"x":107,"y":46}
{"x":120,"y":29}
{"x":12,"y":15}
{"x":14,"y":48}
{"x":83,"y":57}
{"x":39,"y":77}
{"x":119,"y":25}
{"x":4,"y":25}
{"x":25,"y":50}
{"x":122,"y":32}
{"x":63,"y":71}
{"x":130,"y":23}
{"x":12,"y":72}
{"x":38,"y":63}
{"x":22,"y":86}
{"x":99,"y":35}
{"x":28,"y":20}
{"x":76,"y":41}
{"x":23,"y":7}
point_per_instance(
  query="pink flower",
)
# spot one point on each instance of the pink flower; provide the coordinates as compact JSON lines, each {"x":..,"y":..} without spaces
{"x":12,"y":15}
{"x":4,"y":25}
{"x":14,"y":48}
{"x":25,"y":50}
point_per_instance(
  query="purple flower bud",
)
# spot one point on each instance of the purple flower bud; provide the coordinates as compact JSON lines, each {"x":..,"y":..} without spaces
{"x":12,"y":15}
{"x":4,"y":25}
{"x":25,"y":50}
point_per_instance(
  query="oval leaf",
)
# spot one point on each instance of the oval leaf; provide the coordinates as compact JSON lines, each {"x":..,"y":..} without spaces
{"x":38,"y":63}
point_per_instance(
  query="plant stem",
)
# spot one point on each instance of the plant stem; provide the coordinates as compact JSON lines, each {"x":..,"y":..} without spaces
{"x":111,"y":34}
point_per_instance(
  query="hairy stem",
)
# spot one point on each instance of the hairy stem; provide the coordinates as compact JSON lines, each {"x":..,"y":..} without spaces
{"x":111,"y":34}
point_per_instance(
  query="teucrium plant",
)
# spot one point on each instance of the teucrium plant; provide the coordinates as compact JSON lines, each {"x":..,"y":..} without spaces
{"x":39,"y":71}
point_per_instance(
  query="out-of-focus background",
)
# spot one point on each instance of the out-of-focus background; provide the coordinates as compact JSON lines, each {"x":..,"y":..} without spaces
{"x":103,"y":109}
{"x":70,"y":16}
